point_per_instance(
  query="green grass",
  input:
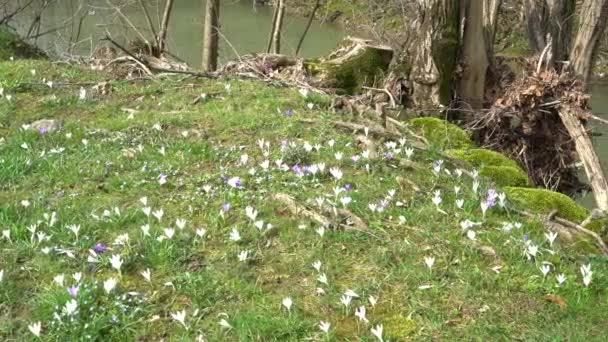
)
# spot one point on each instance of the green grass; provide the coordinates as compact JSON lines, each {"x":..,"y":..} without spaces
{"x":98,"y":186}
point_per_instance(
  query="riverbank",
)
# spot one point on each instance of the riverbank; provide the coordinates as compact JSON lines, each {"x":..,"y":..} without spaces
{"x":125,"y":215}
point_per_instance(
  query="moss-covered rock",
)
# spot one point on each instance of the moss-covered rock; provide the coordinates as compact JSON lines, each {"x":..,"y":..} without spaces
{"x":12,"y":46}
{"x":505,"y":175}
{"x":544,"y":201}
{"x":441,"y":133}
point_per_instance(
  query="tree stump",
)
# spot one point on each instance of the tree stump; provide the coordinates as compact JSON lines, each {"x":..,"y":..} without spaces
{"x":356,"y":63}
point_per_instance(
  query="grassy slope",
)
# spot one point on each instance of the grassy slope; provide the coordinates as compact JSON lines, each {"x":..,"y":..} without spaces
{"x":468,"y":299}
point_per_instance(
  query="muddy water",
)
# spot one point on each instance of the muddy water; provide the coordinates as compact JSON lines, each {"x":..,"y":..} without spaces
{"x":245,"y":28}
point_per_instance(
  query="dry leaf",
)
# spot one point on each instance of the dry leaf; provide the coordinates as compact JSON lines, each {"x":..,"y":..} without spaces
{"x":556,"y":299}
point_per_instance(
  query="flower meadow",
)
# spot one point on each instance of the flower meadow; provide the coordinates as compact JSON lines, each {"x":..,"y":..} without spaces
{"x":145,"y":217}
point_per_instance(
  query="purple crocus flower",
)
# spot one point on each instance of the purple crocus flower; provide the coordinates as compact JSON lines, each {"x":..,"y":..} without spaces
{"x":347,"y":186}
{"x":225,"y":207}
{"x":73,"y":291}
{"x":389,"y":155}
{"x":526,"y":237}
{"x":100,"y":248}
{"x":288,"y":112}
{"x":42,"y":130}
{"x":355,"y":158}
{"x":491,"y":198}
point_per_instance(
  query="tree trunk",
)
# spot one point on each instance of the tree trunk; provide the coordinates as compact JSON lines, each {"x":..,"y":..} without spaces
{"x":550,"y":22}
{"x":278,"y":27}
{"x":592,"y":22}
{"x":211,"y":35}
{"x":434,"y":52}
{"x":473,"y":58}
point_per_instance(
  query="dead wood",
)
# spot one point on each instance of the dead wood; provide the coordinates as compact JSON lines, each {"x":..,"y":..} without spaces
{"x":301,"y":210}
{"x":552,"y":218}
{"x":345,"y":218}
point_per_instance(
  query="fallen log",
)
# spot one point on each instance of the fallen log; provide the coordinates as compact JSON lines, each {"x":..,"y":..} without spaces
{"x":584,"y":147}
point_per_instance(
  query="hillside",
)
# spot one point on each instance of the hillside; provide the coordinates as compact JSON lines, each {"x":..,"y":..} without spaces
{"x":125,"y":217}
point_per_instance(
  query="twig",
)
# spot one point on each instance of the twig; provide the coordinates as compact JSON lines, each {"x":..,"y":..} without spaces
{"x":148,"y":18}
{"x":128,"y":21}
{"x":597,"y":118}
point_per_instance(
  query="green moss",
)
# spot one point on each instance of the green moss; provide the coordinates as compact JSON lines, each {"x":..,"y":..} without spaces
{"x":544,"y":201}
{"x":399,"y":327}
{"x":441,"y":133}
{"x":12,"y":46}
{"x":480,"y":157}
{"x":505,"y":175}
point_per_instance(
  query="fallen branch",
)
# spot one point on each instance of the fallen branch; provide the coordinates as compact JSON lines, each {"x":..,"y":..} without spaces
{"x":148,"y":66}
{"x":353,"y":222}
{"x":569,"y":225}
{"x":300,"y":210}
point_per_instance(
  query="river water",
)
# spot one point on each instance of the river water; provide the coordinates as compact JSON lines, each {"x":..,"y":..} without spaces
{"x":244,"y":28}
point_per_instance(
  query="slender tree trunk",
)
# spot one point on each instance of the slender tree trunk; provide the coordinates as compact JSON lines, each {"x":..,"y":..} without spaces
{"x":211,"y":35}
{"x":276,"y":35}
{"x":592,"y":23}
{"x":310,"y":19}
{"x":275,"y":14}
{"x":164,"y":26}
{"x":490,"y":21}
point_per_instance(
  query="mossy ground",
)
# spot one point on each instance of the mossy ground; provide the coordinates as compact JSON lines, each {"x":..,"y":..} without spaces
{"x":442,"y":134}
{"x":504,"y":171}
{"x":113,"y":149}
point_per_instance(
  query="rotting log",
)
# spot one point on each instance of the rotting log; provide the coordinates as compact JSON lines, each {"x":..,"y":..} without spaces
{"x":586,"y":152}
